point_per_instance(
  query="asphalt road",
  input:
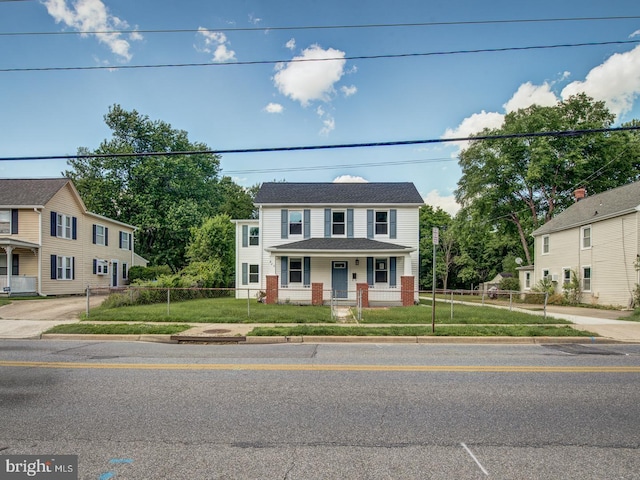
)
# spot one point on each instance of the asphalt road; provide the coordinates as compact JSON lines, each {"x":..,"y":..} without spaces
{"x":142,"y":411}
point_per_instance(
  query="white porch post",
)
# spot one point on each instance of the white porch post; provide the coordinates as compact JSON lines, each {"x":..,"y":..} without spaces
{"x":9,"y":251}
{"x":407,"y":265}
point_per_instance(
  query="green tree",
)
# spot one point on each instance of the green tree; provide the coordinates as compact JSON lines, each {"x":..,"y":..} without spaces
{"x":445,"y":251}
{"x":163,"y":195}
{"x":521,"y":182}
{"x":214,"y":242}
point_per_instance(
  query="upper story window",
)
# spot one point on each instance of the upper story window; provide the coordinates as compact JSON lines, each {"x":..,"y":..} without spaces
{"x":545,"y":244}
{"x":100,"y":235}
{"x":5,"y":222}
{"x":125,"y":239}
{"x":254,"y":234}
{"x":295,"y":222}
{"x":382,"y":222}
{"x":585,"y":235}
{"x":64,"y":227}
{"x":338,"y":223}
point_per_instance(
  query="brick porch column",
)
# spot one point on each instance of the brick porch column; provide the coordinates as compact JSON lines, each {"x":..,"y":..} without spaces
{"x":407,"y":285}
{"x":316,"y":293}
{"x":272,"y":289}
{"x":364,"y":288}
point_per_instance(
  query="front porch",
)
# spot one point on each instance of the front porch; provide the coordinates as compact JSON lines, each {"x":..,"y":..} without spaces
{"x":18,"y":268}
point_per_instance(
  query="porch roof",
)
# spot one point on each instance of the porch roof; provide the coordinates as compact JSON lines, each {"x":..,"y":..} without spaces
{"x":12,"y":242}
{"x":351,"y":246}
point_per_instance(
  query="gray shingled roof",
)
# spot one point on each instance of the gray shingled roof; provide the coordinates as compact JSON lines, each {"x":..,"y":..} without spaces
{"x":612,"y":203}
{"x":29,"y":192}
{"x":285,"y":193}
{"x":340,"y":244}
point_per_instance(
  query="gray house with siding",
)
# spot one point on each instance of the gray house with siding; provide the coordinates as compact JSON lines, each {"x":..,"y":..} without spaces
{"x":315,"y":241}
{"x":598,"y":238}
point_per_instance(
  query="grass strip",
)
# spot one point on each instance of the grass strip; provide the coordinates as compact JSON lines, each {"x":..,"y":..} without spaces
{"x":118,"y":329}
{"x":450,"y":331}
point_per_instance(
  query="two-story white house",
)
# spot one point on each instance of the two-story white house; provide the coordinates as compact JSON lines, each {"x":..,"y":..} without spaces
{"x":598,"y":238}
{"x":316,"y":241}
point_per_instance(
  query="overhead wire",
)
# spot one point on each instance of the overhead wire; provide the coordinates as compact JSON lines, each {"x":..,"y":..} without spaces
{"x":555,"y":133}
{"x":330,"y":59}
{"x":326,"y":27}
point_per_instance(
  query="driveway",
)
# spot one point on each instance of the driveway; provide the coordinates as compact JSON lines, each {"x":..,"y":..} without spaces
{"x":29,"y":318}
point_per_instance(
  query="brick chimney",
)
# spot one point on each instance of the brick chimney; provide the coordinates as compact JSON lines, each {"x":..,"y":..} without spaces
{"x":580,"y":193}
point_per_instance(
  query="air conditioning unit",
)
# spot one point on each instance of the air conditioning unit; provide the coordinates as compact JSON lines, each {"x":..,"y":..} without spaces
{"x":554,"y":277}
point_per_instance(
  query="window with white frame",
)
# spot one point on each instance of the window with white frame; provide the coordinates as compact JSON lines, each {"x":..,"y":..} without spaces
{"x":295,"y":222}
{"x":5,"y":222}
{"x":586,"y":279}
{"x":65,"y":268}
{"x":64,"y":226}
{"x":125,"y":271}
{"x":527,"y":280}
{"x":101,"y":235}
{"x":295,"y":270}
{"x":585,"y":234}
{"x":566,"y":276}
{"x":338,"y":222}
{"x":382,"y":222}
{"x":545,"y":274}
{"x":381,"y":270}
{"x":254,"y":274}
{"x":545,"y":244}
{"x":124,"y":241}
{"x":254,"y":235}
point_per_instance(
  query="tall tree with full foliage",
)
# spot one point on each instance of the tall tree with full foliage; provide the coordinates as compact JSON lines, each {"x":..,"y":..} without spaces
{"x":162,"y":195}
{"x":516,"y":184}
{"x":214,"y":242}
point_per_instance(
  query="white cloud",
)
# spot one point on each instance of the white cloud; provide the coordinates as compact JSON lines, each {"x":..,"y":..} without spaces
{"x":529,"y":94}
{"x":253,"y":19}
{"x":274,"y":108}
{"x":216,"y":43}
{"x":291,"y":44}
{"x":616,"y":82}
{"x":329,"y":125}
{"x":93,"y":16}
{"x":474,"y":124}
{"x":447,"y":203}
{"x":306,"y":79}
{"x":349,"y":179}
{"x":348,"y":91}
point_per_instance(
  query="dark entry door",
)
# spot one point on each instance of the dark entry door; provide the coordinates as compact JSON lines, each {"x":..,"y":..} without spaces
{"x":339,"y":279}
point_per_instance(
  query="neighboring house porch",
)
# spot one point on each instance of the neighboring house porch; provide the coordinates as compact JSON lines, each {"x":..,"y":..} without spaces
{"x":18,"y":267}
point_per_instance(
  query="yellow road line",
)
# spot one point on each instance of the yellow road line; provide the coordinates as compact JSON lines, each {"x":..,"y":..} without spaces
{"x":324,"y":368}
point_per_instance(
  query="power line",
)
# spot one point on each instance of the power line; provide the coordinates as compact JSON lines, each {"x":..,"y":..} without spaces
{"x":298,"y":60}
{"x":557,"y":133}
{"x":326,"y":27}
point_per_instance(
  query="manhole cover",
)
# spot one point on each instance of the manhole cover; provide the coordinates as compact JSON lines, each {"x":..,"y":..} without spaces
{"x":216,"y":330}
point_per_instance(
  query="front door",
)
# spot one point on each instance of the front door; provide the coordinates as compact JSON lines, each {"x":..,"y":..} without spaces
{"x":339,"y":279}
{"x":114,"y":274}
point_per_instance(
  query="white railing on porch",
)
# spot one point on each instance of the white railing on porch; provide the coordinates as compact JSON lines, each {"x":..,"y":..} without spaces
{"x":19,"y":284}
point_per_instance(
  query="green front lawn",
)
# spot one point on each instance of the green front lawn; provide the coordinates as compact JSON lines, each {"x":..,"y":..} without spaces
{"x":450,"y":331}
{"x":230,"y":310}
{"x":213,"y":310}
{"x":118,"y":329}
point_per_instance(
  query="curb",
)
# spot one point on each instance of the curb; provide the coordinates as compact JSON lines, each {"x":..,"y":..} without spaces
{"x":251,"y":340}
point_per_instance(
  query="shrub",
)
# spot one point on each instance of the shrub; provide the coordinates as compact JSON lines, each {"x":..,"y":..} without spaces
{"x":510,"y":284}
{"x":138,"y":272}
{"x":572,"y":290}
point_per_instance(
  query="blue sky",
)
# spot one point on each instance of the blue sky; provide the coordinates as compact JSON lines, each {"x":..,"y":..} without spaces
{"x":344,"y":100}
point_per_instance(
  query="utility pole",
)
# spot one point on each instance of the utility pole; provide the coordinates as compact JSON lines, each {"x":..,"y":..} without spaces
{"x":435,"y":234}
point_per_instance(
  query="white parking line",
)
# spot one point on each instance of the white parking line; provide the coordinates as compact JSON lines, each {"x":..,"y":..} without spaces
{"x":475,"y":459}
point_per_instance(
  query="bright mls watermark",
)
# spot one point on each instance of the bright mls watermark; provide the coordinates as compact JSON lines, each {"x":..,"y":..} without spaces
{"x":39,"y":467}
